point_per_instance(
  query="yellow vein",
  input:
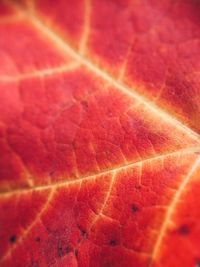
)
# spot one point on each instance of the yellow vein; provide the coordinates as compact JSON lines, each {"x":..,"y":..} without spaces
{"x":62,"y":44}
{"x":8,"y":193}
{"x":106,"y":199}
{"x":100,"y":213}
{"x":27,"y":231}
{"x":10,"y":19}
{"x":86,"y":27}
{"x":170,"y":210}
{"x":40,"y":73}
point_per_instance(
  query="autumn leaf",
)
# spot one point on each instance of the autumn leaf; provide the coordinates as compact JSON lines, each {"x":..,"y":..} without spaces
{"x":99,"y":133}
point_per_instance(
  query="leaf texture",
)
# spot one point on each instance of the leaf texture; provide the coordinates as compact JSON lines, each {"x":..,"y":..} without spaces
{"x":99,"y":133}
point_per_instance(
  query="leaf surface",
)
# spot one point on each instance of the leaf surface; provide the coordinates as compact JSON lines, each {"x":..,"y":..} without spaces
{"x":99,"y":133}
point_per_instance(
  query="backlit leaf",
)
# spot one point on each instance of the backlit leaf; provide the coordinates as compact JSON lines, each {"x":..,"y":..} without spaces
{"x":99,"y":133}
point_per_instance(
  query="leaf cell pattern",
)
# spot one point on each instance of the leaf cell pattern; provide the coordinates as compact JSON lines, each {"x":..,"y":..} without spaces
{"x":99,"y":133}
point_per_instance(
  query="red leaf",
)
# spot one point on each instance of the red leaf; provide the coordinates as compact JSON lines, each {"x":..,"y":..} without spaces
{"x":99,"y":133}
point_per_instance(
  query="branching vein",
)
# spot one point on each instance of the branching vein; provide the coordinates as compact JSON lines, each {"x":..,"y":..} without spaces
{"x":171,"y":209}
{"x":60,"y":42}
{"x":28,"y":229}
{"x":63,"y":45}
{"x":8,"y":193}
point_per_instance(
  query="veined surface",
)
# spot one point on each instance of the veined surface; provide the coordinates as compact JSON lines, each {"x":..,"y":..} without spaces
{"x":99,"y":133}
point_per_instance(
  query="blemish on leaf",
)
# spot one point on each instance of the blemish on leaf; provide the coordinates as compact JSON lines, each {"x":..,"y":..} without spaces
{"x":51,"y":173}
{"x":83,"y":232}
{"x":84,"y":104}
{"x":62,"y":250}
{"x":113,"y":242}
{"x":134,"y":208}
{"x":13,"y":238}
{"x":74,"y":144}
{"x":76,"y":253}
{"x":37,"y":239}
{"x":34,"y":263}
{"x":68,"y":249}
{"x":138,"y":187}
{"x":184,"y":229}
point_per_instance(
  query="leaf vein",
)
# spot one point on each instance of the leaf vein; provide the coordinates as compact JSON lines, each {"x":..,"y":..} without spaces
{"x":8,"y":193}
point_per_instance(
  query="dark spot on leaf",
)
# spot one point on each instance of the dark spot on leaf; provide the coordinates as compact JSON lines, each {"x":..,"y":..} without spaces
{"x":184,"y":230}
{"x":84,"y":104}
{"x":13,"y":239}
{"x":108,"y":264}
{"x":137,"y":186}
{"x":113,"y":242}
{"x":51,"y":173}
{"x":37,"y":239}
{"x":83,"y":232}
{"x":74,"y":144}
{"x":76,"y":253}
{"x":134,"y":208}
{"x":60,"y":252}
{"x":63,"y":250}
{"x":33,"y":264}
{"x":68,"y":249}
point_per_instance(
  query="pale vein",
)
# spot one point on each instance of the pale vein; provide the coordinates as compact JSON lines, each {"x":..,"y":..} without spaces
{"x":27,"y":231}
{"x":86,"y":27}
{"x":40,"y":73}
{"x":8,"y":193}
{"x":170,"y":210}
{"x":106,"y":76}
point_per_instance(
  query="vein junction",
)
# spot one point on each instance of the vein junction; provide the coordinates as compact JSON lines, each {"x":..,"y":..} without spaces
{"x":8,"y":193}
{"x":61,"y":43}
{"x":170,"y":210}
{"x":114,"y":171}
